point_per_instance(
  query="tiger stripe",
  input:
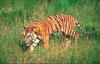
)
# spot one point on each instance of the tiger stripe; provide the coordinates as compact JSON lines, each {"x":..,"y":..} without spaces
{"x":60,"y":22}
{"x":55,"y":23}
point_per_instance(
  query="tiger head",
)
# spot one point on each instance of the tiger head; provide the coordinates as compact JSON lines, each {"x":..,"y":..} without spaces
{"x":30,"y":37}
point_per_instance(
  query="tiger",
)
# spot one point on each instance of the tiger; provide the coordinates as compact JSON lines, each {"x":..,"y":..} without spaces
{"x":42,"y":29}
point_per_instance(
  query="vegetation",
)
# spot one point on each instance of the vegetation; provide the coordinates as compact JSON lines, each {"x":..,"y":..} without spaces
{"x":14,"y":14}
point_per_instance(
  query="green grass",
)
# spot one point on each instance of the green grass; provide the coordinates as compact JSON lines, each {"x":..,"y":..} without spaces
{"x":14,"y":14}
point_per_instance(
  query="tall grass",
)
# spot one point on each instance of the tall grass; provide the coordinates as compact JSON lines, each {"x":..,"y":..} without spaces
{"x":14,"y":14}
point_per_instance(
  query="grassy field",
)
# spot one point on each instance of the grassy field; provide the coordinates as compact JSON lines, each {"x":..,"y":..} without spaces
{"x":14,"y":14}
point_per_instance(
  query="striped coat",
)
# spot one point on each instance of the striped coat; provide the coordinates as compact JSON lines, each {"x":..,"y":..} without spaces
{"x":55,"y":23}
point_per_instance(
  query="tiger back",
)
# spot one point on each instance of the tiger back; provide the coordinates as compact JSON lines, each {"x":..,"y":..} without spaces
{"x":55,"y":23}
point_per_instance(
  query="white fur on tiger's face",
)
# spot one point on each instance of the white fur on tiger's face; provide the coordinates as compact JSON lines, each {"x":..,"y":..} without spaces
{"x":30,"y":38}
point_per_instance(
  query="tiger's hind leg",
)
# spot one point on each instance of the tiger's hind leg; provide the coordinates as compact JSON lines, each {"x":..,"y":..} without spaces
{"x":76,"y":37}
{"x":67,"y":39}
{"x":67,"y":42}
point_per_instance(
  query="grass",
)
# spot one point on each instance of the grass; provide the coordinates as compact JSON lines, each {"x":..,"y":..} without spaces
{"x":14,"y":14}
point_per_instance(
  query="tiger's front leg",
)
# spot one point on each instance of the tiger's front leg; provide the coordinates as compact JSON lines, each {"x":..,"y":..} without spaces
{"x":46,"y":41}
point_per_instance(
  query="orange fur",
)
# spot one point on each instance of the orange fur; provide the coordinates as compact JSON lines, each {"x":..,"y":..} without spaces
{"x":54,"y":23}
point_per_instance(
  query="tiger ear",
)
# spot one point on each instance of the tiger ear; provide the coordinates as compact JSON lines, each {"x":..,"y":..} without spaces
{"x":34,"y":28}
